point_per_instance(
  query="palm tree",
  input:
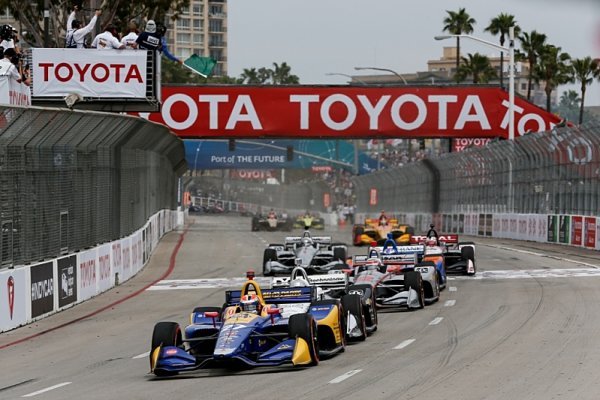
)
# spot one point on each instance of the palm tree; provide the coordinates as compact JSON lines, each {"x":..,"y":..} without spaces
{"x":570,"y":99}
{"x":457,"y":23}
{"x":501,"y":25}
{"x":281,"y":74}
{"x":531,"y":44}
{"x":554,"y":69}
{"x":250,"y":76}
{"x":478,"y":66}
{"x":584,"y":70}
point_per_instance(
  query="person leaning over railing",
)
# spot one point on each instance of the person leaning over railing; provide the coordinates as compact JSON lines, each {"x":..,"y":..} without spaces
{"x":108,"y":39}
{"x":75,"y":33}
{"x":153,"y":38}
{"x":8,"y":67}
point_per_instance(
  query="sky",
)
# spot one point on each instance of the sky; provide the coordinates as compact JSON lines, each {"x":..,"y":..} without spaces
{"x":317,"y":37}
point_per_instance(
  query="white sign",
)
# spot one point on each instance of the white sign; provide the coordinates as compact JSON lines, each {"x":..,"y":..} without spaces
{"x":89,"y":73}
{"x":87,"y":274}
{"x":105,"y":276}
{"x":14,"y":296}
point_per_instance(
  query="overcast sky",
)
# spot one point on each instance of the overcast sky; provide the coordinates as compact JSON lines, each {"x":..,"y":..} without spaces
{"x":316,"y":37}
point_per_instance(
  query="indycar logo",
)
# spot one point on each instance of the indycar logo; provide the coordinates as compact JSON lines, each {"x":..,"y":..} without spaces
{"x":10,"y":283}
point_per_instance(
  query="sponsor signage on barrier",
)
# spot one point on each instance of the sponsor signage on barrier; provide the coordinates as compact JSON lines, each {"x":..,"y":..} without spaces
{"x":105,"y":279}
{"x":589,"y":232}
{"x":564,"y":229}
{"x":137,"y":250}
{"x":326,"y":200}
{"x":251,"y":174}
{"x":464,"y":143}
{"x":13,"y":298}
{"x":485,"y":225}
{"x":87,"y":273}
{"x":67,"y":280}
{"x":126,"y":258}
{"x":112,"y":74}
{"x":334,"y":111}
{"x":117,"y":260}
{"x":577,"y":230}
{"x":42,"y":289}
{"x":552,"y":230}
{"x":373,"y":197}
{"x":13,"y":92}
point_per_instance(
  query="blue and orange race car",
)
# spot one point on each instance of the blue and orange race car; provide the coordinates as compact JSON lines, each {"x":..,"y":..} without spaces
{"x":282,"y":330}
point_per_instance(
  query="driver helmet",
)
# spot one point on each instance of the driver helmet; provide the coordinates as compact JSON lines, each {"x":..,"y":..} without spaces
{"x":298,"y":282}
{"x":250,"y":303}
{"x":430,"y":242}
{"x":373,"y":263}
{"x":306,"y":241}
{"x":383,"y":221}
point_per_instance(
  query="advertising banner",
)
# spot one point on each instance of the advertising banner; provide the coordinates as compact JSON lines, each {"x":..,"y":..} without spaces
{"x":14,"y":93}
{"x":126,"y":259}
{"x":373,"y":197}
{"x":334,"y":111}
{"x":522,"y":232}
{"x":89,"y":73}
{"x":137,"y":255}
{"x":552,"y":230}
{"x":116,"y":260}
{"x":88,"y":273}
{"x":251,"y":174}
{"x":42,"y":289}
{"x":466,"y":143}
{"x":67,"y":280}
{"x":13,"y":298}
{"x":589,"y":232}
{"x":564,"y":229}
{"x":326,"y":200}
{"x":105,"y":276}
{"x":576,"y":230}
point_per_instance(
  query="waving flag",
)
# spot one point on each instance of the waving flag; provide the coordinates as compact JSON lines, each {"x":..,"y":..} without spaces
{"x":200,"y":65}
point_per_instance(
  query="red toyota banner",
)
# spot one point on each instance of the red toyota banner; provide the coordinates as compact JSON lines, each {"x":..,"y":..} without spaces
{"x":344,"y":111}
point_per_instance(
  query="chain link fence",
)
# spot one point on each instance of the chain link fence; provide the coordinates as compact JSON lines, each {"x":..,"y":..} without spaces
{"x":553,"y":172}
{"x":71,"y":180}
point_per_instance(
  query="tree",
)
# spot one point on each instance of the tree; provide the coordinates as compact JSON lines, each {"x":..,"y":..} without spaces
{"x":457,"y":23}
{"x":568,"y":106}
{"x":30,"y":16}
{"x":282,"y":75}
{"x":554,"y":69}
{"x":584,"y":70}
{"x":250,"y":76}
{"x":478,"y":66}
{"x":532,"y":44}
{"x":501,"y":25}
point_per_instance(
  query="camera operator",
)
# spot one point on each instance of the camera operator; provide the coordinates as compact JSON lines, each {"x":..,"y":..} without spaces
{"x":75,"y":33}
{"x":10,"y":38}
{"x":8,"y":65}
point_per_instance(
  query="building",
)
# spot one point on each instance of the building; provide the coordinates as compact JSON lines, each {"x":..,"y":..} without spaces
{"x":201,"y":29}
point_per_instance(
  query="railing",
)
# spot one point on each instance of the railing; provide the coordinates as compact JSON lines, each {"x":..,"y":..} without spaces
{"x":555,"y":172}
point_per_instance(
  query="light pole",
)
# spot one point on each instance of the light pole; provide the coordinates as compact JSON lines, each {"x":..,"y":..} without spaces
{"x":511,"y":73}
{"x":196,"y":158}
{"x":382,"y":69}
{"x":347,"y":76}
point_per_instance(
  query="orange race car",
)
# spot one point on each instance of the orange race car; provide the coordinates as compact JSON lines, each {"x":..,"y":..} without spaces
{"x":377,"y":229}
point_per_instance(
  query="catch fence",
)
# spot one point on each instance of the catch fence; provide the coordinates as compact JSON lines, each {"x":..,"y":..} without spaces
{"x":71,"y":180}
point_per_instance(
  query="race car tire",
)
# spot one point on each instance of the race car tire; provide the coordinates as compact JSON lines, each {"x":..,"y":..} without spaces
{"x":341,"y":322}
{"x":340,"y":253}
{"x":305,"y":327}
{"x":414,"y":280}
{"x":468,"y":253}
{"x":356,"y":233}
{"x":368,"y":306}
{"x":270,"y":255}
{"x":352,"y":303}
{"x":166,"y":334}
{"x":206,"y":347}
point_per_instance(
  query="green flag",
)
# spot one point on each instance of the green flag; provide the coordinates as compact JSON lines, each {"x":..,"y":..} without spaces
{"x":200,"y":65}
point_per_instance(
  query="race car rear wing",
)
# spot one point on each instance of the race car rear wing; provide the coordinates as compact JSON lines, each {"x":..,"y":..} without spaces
{"x":315,"y":239}
{"x":446,"y":238}
{"x":389,"y":259}
{"x":276,"y":295}
{"x":333,"y":279}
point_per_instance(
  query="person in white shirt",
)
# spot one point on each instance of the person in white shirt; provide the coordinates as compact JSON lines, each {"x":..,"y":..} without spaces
{"x":75,"y":33}
{"x":107,"y":40}
{"x":7,"y":68}
{"x":9,"y":36}
{"x":129,"y":40}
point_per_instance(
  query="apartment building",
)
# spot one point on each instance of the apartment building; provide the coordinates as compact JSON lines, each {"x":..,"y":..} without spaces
{"x":201,"y":29}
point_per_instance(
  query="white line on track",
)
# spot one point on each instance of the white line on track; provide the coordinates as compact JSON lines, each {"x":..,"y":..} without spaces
{"x":452,"y":289}
{"x":543,"y":255}
{"x":47,"y":389}
{"x":436,"y":321}
{"x":404,"y":344}
{"x":143,"y":355}
{"x":449,"y":303}
{"x":345,"y":376}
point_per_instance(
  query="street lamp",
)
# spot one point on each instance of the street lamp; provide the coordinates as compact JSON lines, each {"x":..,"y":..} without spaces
{"x":382,"y":69}
{"x":347,"y":76}
{"x":511,"y":73}
{"x":196,"y":158}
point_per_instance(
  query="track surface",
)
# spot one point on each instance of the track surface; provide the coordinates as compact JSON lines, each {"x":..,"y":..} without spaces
{"x":534,"y":336}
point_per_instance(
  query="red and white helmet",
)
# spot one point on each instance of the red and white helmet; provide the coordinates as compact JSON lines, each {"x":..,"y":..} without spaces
{"x":250,"y":303}
{"x":430,"y":242}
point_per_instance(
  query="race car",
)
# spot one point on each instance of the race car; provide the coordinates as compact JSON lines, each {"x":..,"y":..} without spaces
{"x":271,"y":222}
{"x":309,"y":221}
{"x":254,"y":328}
{"x":358,"y":301}
{"x":446,"y":250}
{"x":377,"y":230}
{"x":314,"y":253}
{"x":399,"y":278}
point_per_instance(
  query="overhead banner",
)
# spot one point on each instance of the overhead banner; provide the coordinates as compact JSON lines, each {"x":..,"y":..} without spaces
{"x":345,"y":111}
{"x":89,"y":73}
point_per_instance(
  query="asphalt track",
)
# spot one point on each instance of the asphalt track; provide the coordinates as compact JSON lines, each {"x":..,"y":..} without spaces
{"x":525,"y":328}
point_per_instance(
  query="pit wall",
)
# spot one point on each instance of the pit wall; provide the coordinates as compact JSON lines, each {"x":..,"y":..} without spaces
{"x":571,"y":230}
{"x":32,"y":292}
